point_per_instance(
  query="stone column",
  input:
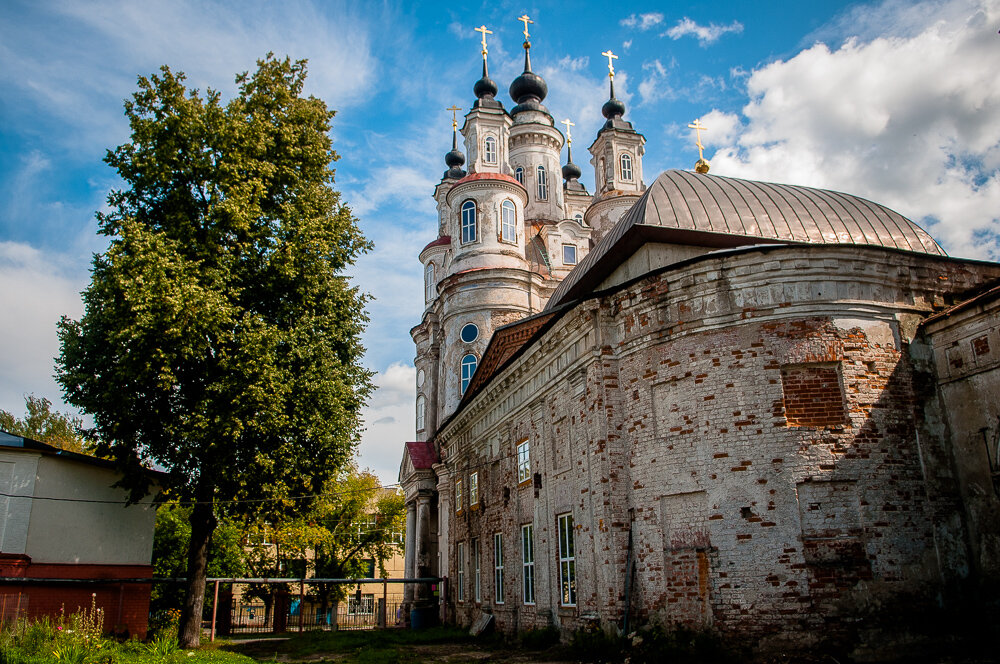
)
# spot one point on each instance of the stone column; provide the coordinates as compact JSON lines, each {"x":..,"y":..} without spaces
{"x":423,"y":561}
{"x":410,"y":555}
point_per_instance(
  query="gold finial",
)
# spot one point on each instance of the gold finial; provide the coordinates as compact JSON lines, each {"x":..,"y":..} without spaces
{"x":701,"y":166}
{"x":454,"y":118}
{"x":569,"y":136}
{"x":611,"y":65}
{"x":524,"y":19}
{"x":485,"y":32}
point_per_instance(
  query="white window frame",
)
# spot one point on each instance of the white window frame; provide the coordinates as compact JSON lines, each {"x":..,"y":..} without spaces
{"x":477,"y":582}
{"x":366,"y":608}
{"x":564,"y":248}
{"x":470,"y":224}
{"x":508,"y":222}
{"x":519,"y":174}
{"x":543,"y":184}
{"x":468,"y":370}
{"x":490,"y":150}
{"x":421,"y":408}
{"x":528,"y":563}
{"x":498,"y":568}
{"x":458,"y":495}
{"x":460,"y":570}
{"x":474,"y":489}
{"x":567,"y":560}
{"x":523,"y":461}
{"x":625,"y":166}
{"x":429,"y":290}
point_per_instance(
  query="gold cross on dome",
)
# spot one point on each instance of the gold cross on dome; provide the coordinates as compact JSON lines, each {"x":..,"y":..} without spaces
{"x":569,"y":136}
{"x":454,"y":118}
{"x":524,"y":19}
{"x":611,"y":65}
{"x":698,"y":127}
{"x":485,"y":32}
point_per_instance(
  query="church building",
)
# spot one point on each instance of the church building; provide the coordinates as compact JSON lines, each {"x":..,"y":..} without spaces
{"x":763,"y":409}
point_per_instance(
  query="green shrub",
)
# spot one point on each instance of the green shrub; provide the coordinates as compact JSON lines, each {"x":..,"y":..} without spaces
{"x":539,"y":639}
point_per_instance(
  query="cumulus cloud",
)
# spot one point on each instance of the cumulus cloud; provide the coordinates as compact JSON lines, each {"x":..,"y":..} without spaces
{"x":210,"y":41}
{"x":38,"y":288}
{"x":391,"y":421}
{"x":910,"y":121}
{"x":643,"y":21}
{"x":706,"y":34}
{"x":654,"y":84}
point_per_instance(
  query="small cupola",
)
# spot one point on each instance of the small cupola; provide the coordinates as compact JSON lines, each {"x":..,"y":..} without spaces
{"x":529,"y":89}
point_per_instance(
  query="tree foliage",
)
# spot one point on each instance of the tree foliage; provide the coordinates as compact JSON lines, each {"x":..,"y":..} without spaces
{"x":171,"y":539}
{"x":220,"y":339}
{"x":354,"y":521}
{"x":45,"y":425}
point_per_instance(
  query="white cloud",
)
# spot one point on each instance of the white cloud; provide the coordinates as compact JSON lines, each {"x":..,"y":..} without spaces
{"x":706,"y":34}
{"x":36,"y":289}
{"x":655,"y":85}
{"x":391,"y":421}
{"x":909,"y":121}
{"x":211,"y":41}
{"x":721,"y":129}
{"x":642,"y":21}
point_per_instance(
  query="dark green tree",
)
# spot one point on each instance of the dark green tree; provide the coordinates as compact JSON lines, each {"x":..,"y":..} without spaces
{"x":45,"y":425}
{"x":171,"y":539}
{"x":220,"y":338}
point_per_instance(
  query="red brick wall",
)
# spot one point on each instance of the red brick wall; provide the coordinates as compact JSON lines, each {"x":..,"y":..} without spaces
{"x":125,"y":605}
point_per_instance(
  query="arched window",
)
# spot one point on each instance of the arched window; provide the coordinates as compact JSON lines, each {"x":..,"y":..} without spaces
{"x":508,"y":225}
{"x":626,"y":166}
{"x":490,"y":150}
{"x":421,"y":405}
{"x":519,"y":175}
{"x":468,"y":369}
{"x":579,"y":217}
{"x":543,"y":184}
{"x":469,"y":230}
{"x":429,"y":290}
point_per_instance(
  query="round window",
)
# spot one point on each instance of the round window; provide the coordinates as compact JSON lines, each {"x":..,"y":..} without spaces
{"x":470,"y":333}
{"x":420,"y":378}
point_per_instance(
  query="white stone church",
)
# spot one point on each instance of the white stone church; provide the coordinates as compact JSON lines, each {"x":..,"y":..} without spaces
{"x":730,"y":405}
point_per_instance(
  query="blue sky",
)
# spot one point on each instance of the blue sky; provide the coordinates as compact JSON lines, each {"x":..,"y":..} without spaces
{"x":898,"y":102}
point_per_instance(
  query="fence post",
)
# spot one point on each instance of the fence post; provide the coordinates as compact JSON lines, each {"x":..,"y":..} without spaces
{"x":302,"y":603}
{"x":215,"y":608}
{"x":385,"y":603}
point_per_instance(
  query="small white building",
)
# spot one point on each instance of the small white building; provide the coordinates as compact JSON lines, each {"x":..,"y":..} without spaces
{"x":62,"y":518}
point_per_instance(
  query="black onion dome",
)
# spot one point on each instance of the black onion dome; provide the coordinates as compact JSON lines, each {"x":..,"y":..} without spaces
{"x":529,"y":89}
{"x":485,"y":87}
{"x":527,"y":86}
{"x":571,"y":171}
{"x":613,"y":108}
{"x":454,"y":159}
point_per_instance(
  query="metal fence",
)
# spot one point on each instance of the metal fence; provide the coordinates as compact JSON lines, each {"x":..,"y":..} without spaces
{"x":290,"y":607}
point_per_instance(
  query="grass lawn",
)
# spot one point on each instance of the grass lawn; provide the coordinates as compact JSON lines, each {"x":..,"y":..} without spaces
{"x":366,"y":647}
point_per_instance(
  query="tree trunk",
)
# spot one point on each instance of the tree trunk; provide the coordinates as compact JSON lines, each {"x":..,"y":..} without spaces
{"x":203,"y":523}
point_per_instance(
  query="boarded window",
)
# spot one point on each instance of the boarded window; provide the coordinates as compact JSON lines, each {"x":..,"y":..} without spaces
{"x":813,"y":395}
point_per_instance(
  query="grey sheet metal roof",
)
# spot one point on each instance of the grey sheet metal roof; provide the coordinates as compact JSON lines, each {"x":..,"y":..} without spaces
{"x":708,"y":210}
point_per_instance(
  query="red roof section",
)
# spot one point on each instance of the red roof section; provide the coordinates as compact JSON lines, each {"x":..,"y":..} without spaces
{"x":444,"y":239}
{"x":422,"y":454}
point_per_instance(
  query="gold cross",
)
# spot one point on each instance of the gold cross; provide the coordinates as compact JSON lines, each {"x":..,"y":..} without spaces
{"x":524,"y":19}
{"x":569,"y":136}
{"x":699,"y":127}
{"x":454,"y":118}
{"x":485,"y":32}
{"x":611,"y":65}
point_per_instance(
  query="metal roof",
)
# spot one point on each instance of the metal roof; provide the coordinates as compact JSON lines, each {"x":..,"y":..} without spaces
{"x":708,"y":210}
